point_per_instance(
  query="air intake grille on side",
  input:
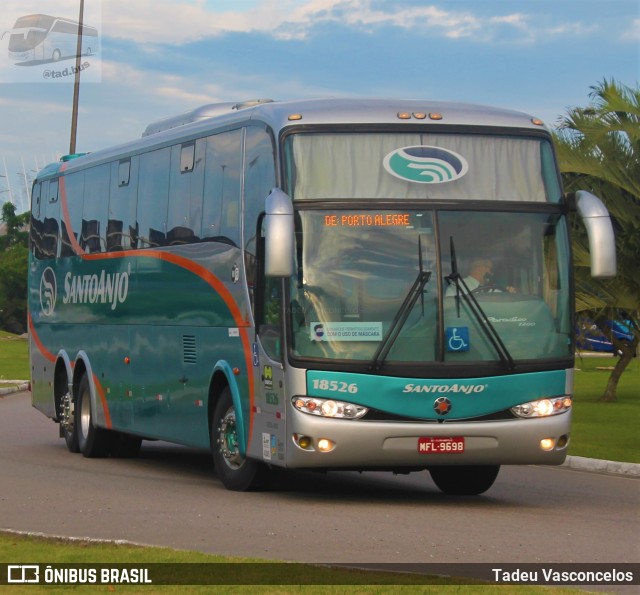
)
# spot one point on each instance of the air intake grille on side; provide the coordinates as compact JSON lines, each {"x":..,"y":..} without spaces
{"x":189,"y":353}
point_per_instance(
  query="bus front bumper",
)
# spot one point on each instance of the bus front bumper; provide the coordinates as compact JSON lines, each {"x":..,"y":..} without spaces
{"x":392,"y":445}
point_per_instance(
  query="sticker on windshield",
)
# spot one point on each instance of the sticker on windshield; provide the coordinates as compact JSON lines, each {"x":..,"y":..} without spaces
{"x":457,"y":338}
{"x":425,"y":165}
{"x":345,"y":331}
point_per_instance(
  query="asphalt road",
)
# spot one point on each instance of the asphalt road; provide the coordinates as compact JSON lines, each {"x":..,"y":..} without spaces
{"x":169,"y":496}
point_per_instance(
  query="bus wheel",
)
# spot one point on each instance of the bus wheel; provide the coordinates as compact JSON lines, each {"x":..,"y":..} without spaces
{"x":92,"y":441}
{"x":68,"y":426}
{"x":236,"y":472}
{"x":464,"y":480}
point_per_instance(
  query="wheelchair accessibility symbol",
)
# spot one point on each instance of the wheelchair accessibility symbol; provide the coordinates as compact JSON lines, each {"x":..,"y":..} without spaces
{"x":457,"y":338}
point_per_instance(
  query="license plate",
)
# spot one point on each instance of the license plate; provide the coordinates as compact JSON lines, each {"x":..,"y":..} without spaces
{"x":441,"y":446}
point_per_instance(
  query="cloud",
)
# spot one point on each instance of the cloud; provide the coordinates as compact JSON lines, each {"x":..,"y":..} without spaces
{"x":175,"y":23}
{"x":633,"y":32}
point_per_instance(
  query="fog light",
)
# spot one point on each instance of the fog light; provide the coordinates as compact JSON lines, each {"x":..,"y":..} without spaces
{"x":303,"y":442}
{"x":547,"y":444}
{"x":325,"y":445}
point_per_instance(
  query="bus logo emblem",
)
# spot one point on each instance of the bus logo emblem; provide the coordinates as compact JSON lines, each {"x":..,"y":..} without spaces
{"x":442,"y":405}
{"x":48,"y":291}
{"x":423,"y":164}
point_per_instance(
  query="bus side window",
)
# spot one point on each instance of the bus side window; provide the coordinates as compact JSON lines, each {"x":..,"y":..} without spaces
{"x":93,"y":234}
{"x":221,"y":203}
{"x":50,"y":228}
{"x":259,"y":179}
{"x":71,"y":227}
{"x":186,"y":186}
{"x":153,"y":197}
{"x":36,"y":226}
{"x":121,"y":222}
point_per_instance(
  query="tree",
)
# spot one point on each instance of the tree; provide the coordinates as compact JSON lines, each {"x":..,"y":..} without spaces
{"x":16,"y":234}
{"x":14,"y":255}
{"x":598,"y":149}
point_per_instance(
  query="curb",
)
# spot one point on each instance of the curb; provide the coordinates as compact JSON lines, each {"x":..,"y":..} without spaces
{"x":15,"y":389}
{"x":572,"y":462}
{"x":602,"y":466}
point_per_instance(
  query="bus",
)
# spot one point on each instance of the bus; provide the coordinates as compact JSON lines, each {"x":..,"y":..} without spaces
{"x":287,"y":284}
{"x":40,"y":37}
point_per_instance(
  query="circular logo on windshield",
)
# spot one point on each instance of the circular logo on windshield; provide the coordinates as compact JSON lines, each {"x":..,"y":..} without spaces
{"x":48,"y":291}
{"x":423,"y":164}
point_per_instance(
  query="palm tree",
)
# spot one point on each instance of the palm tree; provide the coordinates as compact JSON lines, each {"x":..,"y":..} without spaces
{"x":599,"y":149}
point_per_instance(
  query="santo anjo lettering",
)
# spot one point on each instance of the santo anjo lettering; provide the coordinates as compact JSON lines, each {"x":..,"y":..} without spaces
{"x":105,"y":288}
{"x":466,"y":389}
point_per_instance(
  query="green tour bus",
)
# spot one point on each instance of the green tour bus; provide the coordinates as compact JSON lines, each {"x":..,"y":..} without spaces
{"x":318,"y":284}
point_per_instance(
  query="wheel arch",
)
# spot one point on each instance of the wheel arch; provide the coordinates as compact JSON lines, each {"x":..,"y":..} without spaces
{"x":62,"y":380}
{"x":83,"y":366}
{"x":221,"y":378}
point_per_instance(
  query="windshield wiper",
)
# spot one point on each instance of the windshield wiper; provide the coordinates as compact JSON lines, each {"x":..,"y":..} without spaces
{"x":462,"y":290}
{"x":416,"y":291}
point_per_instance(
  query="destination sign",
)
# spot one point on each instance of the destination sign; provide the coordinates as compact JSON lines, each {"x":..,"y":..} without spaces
{"x":368,"y":220}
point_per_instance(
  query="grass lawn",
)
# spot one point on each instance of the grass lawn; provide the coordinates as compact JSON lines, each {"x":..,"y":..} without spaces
{"x":606,"y":430}
{"x":287,"y":578}
{"x":14,"y":358}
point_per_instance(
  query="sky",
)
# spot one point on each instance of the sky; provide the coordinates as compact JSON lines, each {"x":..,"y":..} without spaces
{"x":157,"y":58}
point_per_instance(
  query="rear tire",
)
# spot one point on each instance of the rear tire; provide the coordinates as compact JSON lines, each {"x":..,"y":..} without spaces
{"x":236,"y":472}
{"x":66,"y":417}
{"x":464,"y":480}
{"x":93,"y":442}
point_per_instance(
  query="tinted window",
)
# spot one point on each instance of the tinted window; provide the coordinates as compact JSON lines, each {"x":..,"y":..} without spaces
{"x":71,"y":193}
{"x":185,"y":193}
{"x":221,"y":206}
{"x":153,"y":197}
{"x":259,"y":179}
{"x":50,"y":228}
{"x":121,"y":225}
{"x":36,"y":220}
{"x":94,"y":216}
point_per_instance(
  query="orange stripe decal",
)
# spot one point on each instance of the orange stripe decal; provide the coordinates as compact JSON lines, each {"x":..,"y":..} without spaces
{"x":103,"y":400}
{"x":219,"y":287}
{"x":41,"y":348}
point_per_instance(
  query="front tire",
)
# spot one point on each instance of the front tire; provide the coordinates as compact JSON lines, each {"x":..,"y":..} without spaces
{"x":236,"y":472}
{"x":93,"y":441}
{"x":464,"y":480}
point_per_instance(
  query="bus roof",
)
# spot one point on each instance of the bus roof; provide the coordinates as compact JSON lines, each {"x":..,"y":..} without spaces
{"x":280,"y":115}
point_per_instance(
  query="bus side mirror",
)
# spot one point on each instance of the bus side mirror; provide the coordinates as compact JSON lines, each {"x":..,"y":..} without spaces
{"x":278,"y":235}
{"x":602,"y":241}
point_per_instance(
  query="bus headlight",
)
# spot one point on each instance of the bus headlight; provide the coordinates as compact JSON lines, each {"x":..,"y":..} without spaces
{"x":329,"y":408}
{"x":543,"y":407}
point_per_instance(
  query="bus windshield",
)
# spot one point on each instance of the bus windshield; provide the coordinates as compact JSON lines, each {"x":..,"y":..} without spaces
{"x":356,"y":268}
{"x":27,"y":36}
{"x":421,"y":166}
